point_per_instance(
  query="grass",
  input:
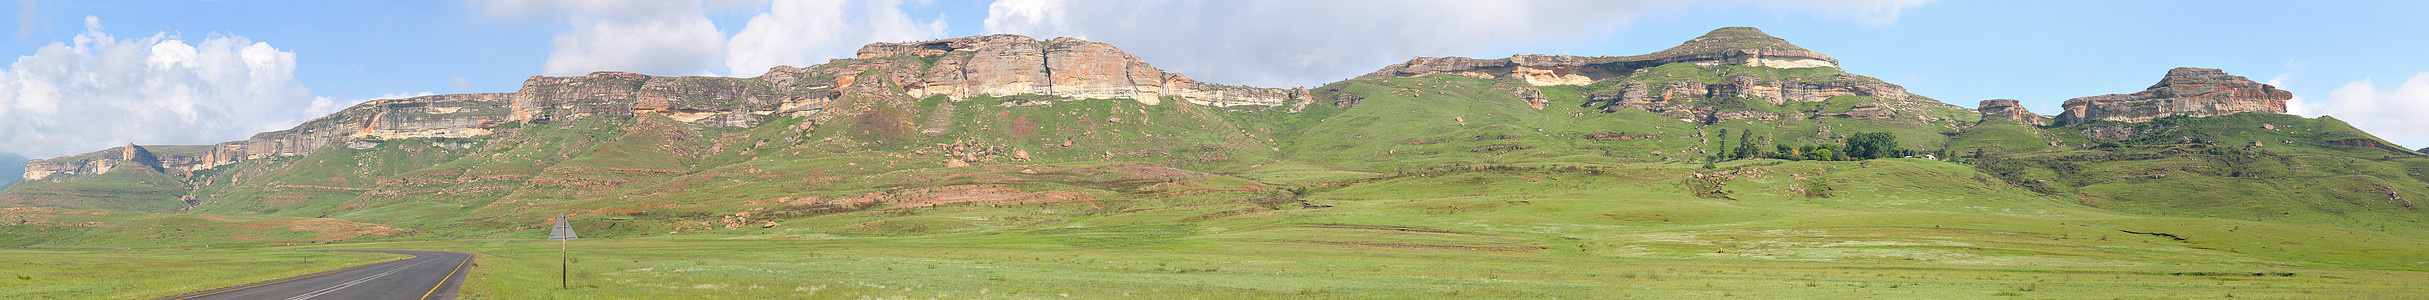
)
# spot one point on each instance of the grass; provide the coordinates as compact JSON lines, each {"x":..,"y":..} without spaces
{"x":1439,"y":186}
{"x":143,"y":274}
{"x":1891,"y":229}
{"x":667,"y":268}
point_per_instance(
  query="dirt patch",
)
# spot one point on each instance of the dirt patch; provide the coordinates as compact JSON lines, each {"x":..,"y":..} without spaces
{"x":1432,"y":247}
{"x":984,"y":194}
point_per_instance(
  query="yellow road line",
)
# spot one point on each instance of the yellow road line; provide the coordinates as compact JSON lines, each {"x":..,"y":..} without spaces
{"x":285,"y":280}
{"x":459,"y":267}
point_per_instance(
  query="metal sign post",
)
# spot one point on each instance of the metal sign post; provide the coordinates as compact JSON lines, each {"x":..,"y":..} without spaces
{"x":562,"y":232}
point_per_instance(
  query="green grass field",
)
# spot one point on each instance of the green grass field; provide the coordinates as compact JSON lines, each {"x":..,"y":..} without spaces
{"x":151,"y":273}
{"x":1044,"y":267}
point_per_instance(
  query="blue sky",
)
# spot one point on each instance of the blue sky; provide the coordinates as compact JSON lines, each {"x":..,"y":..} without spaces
{"x":94,"y":74}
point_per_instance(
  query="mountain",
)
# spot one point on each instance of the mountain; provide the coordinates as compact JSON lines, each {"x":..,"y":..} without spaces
{"x":12,"y":168}
{"x":1732,"y":134}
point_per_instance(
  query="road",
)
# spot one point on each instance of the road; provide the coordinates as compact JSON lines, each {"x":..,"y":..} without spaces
{"x":428,"y":275}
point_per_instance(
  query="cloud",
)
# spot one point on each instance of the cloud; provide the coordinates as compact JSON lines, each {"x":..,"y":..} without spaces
{"x":676,"y":37}
{"x":800,"y":33}
{"x":668,"y":37}
{"x":458,"y":84}
{"x":2392,"y":114}
{"x":401,"y":95}
{"x":102,"y":91}
{"x":1288,"y":42}
{"x":29,"y":18}
{"x":2294,"y":106}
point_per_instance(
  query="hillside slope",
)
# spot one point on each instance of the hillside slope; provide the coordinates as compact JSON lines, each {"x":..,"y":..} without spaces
{"x":1725,"y":142}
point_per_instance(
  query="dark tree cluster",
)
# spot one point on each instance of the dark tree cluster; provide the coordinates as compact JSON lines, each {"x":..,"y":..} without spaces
{"x":1861,"y":146}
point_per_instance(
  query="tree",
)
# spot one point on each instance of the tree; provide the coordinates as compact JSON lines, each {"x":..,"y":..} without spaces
{"x":1745,"y":145}
{"x":1820,"y":154}
{"x":1723,"y":143}
{"x":1871,"y":145}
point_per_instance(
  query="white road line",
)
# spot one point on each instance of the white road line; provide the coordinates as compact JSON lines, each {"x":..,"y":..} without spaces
{"x":355,"y":282}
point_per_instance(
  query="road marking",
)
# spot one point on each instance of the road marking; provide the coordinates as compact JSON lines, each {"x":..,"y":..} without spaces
{"x":284,"y":280}
{"x":459,"y":267}
{"x":355,"y":282}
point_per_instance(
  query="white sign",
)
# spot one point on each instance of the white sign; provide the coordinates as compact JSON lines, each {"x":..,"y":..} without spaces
{"x":563,"y":230}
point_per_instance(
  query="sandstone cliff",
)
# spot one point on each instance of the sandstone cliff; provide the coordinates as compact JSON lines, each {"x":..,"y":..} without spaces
{"x":2010,"y":109}
{"x":996,"y":65}
{"x":1716,"y":68}
{"x":1004,"y":65}
{"x":1726,"y":46}
{"x":2191,"y":92}
{"x":120,"y":159}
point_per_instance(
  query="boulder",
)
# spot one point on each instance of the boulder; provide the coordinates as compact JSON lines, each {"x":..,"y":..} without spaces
{"x":2009,"y":109}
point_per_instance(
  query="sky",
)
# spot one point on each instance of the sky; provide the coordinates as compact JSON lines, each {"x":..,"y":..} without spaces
{"x":89,"y":75}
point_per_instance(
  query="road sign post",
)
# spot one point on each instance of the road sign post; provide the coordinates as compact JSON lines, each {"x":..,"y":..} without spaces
{"x":564,"y":231}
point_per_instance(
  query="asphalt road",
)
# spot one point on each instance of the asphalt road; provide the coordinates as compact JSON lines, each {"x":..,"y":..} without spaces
{"x":428,"y":275}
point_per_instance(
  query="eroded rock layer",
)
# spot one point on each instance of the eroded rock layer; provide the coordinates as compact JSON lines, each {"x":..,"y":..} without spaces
{"x":1004,"y":65}
{"x":1726,"y":46}
{"x":2190,"y":92}
{"x":996,"y":65}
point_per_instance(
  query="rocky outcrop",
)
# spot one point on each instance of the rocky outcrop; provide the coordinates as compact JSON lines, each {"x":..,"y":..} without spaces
{"x":1783,"y":91}
{"x":2356,"y":143}
{"x":2191,"y":92}
{"x":1726,"y":46}
{"x":707,"y":101}
{"x":1677,"y":98}
{"x":1531,"y":96}
{"x":1005,"y":65}
{"x":1775,"y":91}
{"x":2009,"y":109}
{"x":1670,"y":96}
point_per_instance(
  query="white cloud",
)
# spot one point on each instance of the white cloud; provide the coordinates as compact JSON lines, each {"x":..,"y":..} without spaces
{"x":401,"y":95}
{"x":2294,"y":106}
{"x":29,"y":18}
{"x":675,"y":37}
{"x":458,"y":84}
{"x":2391,"y":114}
{"x":667,"y":37}
{"x":102,"y":91}
{"x":1296,"y":43}
{"x":800,"y":33}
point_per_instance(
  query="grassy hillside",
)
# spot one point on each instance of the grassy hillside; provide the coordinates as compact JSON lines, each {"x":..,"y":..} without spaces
{"x":2251,"y":167}
{"x":1433,"y":186}
{"x":127,"y":189}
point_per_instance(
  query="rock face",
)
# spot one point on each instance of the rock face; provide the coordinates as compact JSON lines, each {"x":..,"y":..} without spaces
{"x":996,"y":65}
{"x":124,"y":158}
{"x":1774,"y":91}
{"x":2191,"y":92}
{"x":1726,"y":46}
{"x":1670,"y":96}
{"x":2009,"y":109}
{"x":1004,"y":65}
